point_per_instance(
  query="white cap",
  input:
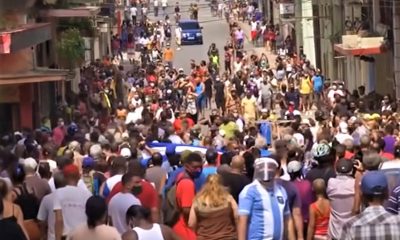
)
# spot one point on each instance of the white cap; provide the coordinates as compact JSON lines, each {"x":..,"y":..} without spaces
{"x":180,"y":70}
{"x":343,"y":127}
{"x":294,"y":166}
{"x":126,"y":152}
{"x":264,"y":110}
{"x":30,"y":163}
{"x":169,"y":91}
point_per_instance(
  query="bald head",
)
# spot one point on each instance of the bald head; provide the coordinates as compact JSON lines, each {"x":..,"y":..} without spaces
{"x":237,"y":163}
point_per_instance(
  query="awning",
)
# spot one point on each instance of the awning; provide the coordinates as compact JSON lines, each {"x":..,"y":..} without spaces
{"x":72,"y":12}
{"x":34,"y":76}
{"x":358,"y":51}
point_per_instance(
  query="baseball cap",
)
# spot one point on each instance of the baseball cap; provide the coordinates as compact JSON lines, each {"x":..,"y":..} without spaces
{"x":344,"y":166}
{"x":87,"y":162}
{"x":126,"y":152}
{"x":294,"y":166}
{"x":71,"y":170}
{"x":30,"y":163}
{"x":374,"y":183}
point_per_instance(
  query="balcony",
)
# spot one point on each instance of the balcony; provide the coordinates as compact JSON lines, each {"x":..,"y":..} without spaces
{"x":354,"y":45}
{"x":24,"y":36}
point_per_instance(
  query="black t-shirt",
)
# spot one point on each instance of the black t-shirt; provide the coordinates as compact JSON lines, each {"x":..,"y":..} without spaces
{"x":219,"y":90}
{"x":321,"y":172}
{"x":235,"y":183}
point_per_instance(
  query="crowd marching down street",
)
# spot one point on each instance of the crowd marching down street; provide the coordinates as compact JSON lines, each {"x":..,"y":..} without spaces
{"x":242,"y":145}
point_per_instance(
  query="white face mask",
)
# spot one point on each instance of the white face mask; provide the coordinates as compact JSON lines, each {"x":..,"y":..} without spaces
{"x":264,"y":170}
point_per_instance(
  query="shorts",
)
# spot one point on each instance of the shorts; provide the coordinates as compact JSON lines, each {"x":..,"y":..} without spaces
{"x":253,"y":35}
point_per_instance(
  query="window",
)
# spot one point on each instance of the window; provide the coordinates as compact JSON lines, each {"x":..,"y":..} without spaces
{"x":189,"y":25}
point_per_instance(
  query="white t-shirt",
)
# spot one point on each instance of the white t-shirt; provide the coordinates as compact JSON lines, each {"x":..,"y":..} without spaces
{"x":133,"y":11}
{"x":71,"y":200}
{"x":46,"y":214}
{"x":117,"y":208}
{"x":253,"y":25}
{"x":164,"y":3}
{"x":178,"y":32}
{"x":155,"y":3}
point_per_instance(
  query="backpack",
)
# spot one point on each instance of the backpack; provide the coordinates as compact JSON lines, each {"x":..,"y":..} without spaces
{"x":170,"y":209}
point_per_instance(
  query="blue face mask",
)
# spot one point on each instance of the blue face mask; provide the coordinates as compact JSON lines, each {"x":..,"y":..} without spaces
{"x":195,"y":174}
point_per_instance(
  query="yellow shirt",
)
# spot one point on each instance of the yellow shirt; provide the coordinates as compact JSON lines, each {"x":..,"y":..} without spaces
{"x":249,"y":107}
{"x":305,"y":86}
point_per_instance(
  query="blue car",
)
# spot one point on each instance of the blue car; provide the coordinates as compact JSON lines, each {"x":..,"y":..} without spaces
{"x":191,"y":32}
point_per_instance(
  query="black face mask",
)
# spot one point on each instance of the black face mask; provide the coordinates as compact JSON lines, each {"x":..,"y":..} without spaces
{"x":136,"y":190}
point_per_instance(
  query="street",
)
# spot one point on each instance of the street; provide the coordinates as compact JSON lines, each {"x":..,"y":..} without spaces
{"x":215,"y":30}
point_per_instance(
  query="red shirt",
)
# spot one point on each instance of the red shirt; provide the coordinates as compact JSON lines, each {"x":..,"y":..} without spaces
{"x":185,"y":193}
{"x":386,"y":155}
{"x":148,"y":197}
{"x":178,"y":124}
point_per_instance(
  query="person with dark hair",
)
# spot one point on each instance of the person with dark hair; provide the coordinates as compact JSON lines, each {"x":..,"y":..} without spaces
{"x":185,"y":193}
{"x":69,"y":203}
{"x":118,"y":168}
{"x":374,"y":222}
{"x":24,"y":196}
{"x":63,"y":161}
{"x":142,"y":189}
{"x":226,"y":159}
{"x":139,"y":219}
{"x":155,"y":173}
{"x":95,"y":227}
{"x":210,"y":168}
{"x":121,"y":201}
{"x":11,"y":217}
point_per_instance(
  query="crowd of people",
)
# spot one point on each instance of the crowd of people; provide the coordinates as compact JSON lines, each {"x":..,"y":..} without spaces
{"x":253,"y":149}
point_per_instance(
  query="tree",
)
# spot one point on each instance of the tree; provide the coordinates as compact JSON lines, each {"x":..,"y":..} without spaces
{"x":71,"y":47}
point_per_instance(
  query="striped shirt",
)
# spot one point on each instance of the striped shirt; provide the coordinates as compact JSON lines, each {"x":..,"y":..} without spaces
{"x":266,"y":211}
{"x":393,"y":204}
{"x":373,"y":223}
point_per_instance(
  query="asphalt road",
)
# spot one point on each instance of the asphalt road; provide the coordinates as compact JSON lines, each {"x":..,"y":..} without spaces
{"x":215,"y":30}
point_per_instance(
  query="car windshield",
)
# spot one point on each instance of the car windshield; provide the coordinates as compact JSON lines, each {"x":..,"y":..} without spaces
{"x":189,"y":25}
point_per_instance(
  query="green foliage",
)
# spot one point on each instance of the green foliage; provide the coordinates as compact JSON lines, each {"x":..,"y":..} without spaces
{"x":71,"y":47}
{"x":84,"y":25}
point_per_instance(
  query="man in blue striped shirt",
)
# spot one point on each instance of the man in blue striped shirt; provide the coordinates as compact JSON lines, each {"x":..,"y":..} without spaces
{"x":263,"y":206}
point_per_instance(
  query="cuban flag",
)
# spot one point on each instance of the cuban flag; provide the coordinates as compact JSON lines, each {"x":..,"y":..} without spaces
{"x":163,"y":148}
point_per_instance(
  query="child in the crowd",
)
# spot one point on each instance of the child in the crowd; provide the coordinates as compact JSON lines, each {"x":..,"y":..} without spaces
{"x":319,"y":213}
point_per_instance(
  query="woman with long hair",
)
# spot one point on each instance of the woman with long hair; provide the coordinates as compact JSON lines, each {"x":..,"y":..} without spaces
{"x":139,"y":218}
{"x":95,"y":227}
{"x":213,"y":213}
{"x":11,"y":217}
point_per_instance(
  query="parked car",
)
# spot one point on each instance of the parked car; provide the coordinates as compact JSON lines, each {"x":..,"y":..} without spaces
{"x":191,"y":32}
